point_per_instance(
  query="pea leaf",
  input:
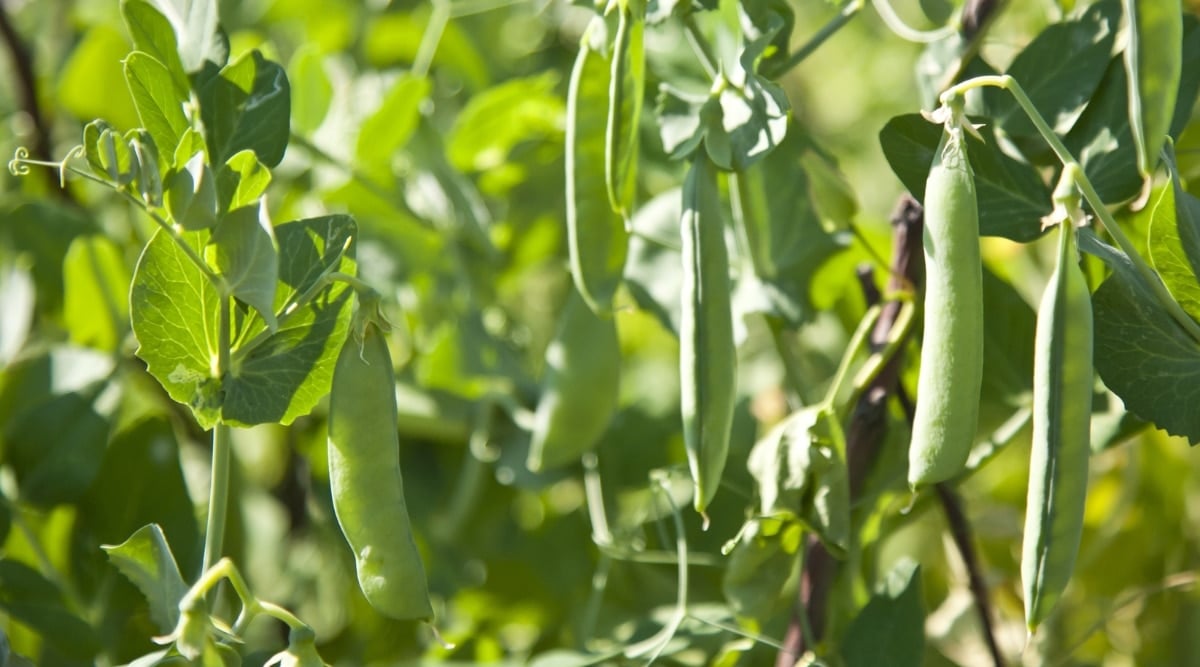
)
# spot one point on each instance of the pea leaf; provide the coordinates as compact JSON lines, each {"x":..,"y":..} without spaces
{"x":390,"y":127}
{"x":890,"y":629}
{"x":191,"y":195}
{"x":247,"y":106}
{"x":146,"y":559}
{"x":32,"y":599}
{"x":313,"y":92}
{"x":654,"y":269}
{"x":762,"y":567}
{"x":1153,"y":60}
{"x":1012,"y":196}
{"x":195,"y":25}
{"x":156,"y":98}
{"x":96,"y":281}
{"x":1141,"y":353}
{"x":496,"y":120}
{"x":242,"y":250}
{"x":1059,"y":70}
{"x":152,"y":34}
{"x":1167,"y":250}
{"x":1102,"y":141}
{"x":242,"y":180}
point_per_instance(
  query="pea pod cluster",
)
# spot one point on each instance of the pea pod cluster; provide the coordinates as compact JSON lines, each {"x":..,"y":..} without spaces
{"x":579,"y":388}
{"x":365,"y":481}
{"x":1058,"y":466}
{"x":707,"y":356}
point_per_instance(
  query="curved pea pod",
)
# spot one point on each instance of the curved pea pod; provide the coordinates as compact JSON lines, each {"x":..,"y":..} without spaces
{"x":579,"y":388}
{"x":1154,"y":64}
{"x":952,"y":348}
{"x":1058,"y":465}
{"x":951,"y":374}
{"x":364,"y":477}
{"x":596,"y":236}
{"x":707,"y":356}
{"x":625,"y":95}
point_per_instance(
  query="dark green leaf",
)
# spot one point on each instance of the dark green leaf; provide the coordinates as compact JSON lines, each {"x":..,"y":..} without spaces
{"x":146,"y":559}
{"x":56,"y":447}
{"x":1059,"y":70}
{"x":1102,"y":141}
{"x":773,"y":20}
{"x":30,"y":598}
{"x":890,"y":630}
{"x":247,"y":106}
{"x":158,"y":102}
{"x":1012,"y":196}
{"x":1141,"y":353}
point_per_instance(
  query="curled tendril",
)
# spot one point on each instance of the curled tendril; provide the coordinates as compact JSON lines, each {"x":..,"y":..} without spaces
{"x":17,"y":165}
{"x":78,"y":151}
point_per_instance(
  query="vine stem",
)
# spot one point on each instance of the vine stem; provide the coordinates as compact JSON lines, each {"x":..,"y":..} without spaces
{"x":847,"y":12}
{"x":1072,"y":167}
{"x":218,"y":496}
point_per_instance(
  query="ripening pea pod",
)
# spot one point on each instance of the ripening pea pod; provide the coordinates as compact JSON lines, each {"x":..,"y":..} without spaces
{"x":707,"y":355}
{"x":1154,"y":65}
{"x":365,"y":481}
{"x":626,"y":91}
{"x":1058,"y":465}
{"x":951,"y":374}
{"x":579,"y":387}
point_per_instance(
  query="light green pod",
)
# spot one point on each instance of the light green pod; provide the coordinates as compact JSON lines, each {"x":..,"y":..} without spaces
{"x":951,"y":375}
{"x":707,"y":356}
{"x":1062,"y":410}
{"x":579,"y":389}
{"x":364,"y":477}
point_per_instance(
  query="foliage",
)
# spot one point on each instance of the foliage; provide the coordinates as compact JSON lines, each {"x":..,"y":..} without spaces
{"x":209,"y":201}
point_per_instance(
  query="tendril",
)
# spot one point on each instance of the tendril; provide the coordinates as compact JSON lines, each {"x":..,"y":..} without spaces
{"x":18,"y":165}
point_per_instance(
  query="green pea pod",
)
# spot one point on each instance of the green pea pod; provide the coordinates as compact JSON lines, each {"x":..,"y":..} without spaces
{"x":951,"y":373}
{"x":1062,"y":402}
{"x":579,"y":388}
{"x":1154,"y":63}
{"x":707,"y":356}
{"x":364,"y":477}
{"x":626,"y":91}
{"x":597,"y":239}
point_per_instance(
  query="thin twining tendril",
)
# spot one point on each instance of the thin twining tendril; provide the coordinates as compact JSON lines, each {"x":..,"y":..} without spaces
{"x":19,"y":166}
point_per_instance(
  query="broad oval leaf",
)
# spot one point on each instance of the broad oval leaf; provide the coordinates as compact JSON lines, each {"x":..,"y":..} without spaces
{"x":247,"y":106}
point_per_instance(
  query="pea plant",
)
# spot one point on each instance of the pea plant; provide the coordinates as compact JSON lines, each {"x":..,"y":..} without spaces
{"x":613,"y":284}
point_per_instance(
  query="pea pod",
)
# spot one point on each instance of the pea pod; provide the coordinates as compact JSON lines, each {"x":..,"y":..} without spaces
{"x":625,"y":95}
{"x":1058,"y":466}
{"x":364,"y":477}
{"x":707,"y":357}
{"x":1154,"y":63}
{"x":951,"y":374}
{"x":579,"y":389}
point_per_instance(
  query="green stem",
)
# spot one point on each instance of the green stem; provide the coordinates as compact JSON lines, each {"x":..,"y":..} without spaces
{"x":218,"y":497}
{"x":438,"y":19}
{"x":828,"y":30}
{"x":897,"y":25}
{"x":1072,"y":165}
{"x":857,"y":342}
{"x":700,"y":45}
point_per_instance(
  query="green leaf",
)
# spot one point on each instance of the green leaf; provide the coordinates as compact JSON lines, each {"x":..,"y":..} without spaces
{"x":288,"y":372}
{"x":1168,"y":253}
{"x":598,"y":241}
{"x":158,"y":102}
{"x":787,"y":241}
{"x":1102,"y":140}
{"x":1153,"y":60}
{"x":1141,"y":353}
{"x":96,"y":284}
{"x":1012,"y":196}
{"x":1059,"y":70}
{"x":1009,"y":323}
{"x":152,"y":33}
{"x":392,"y":125}
{"x":146,"y":559}
{"x":28,"y":597}
{"x":242,"y":250}
{"x":242,"y":181}
{"x":891,"y":628}
{"x":173,"y":308}
{"x":247,"y":106}
{"x":275,"y":377}
{"x":56,"y":447}
{"x":195,"y":24}
{"x":313,"y":91}
{"x":761,"y":573}
{"x":496,"y":120}
{"x":191,"y":196}
{"x":773,"y":20}
{"x":91,"y":83}
{"x":40,"y":231}
{"x":799,"y":471}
